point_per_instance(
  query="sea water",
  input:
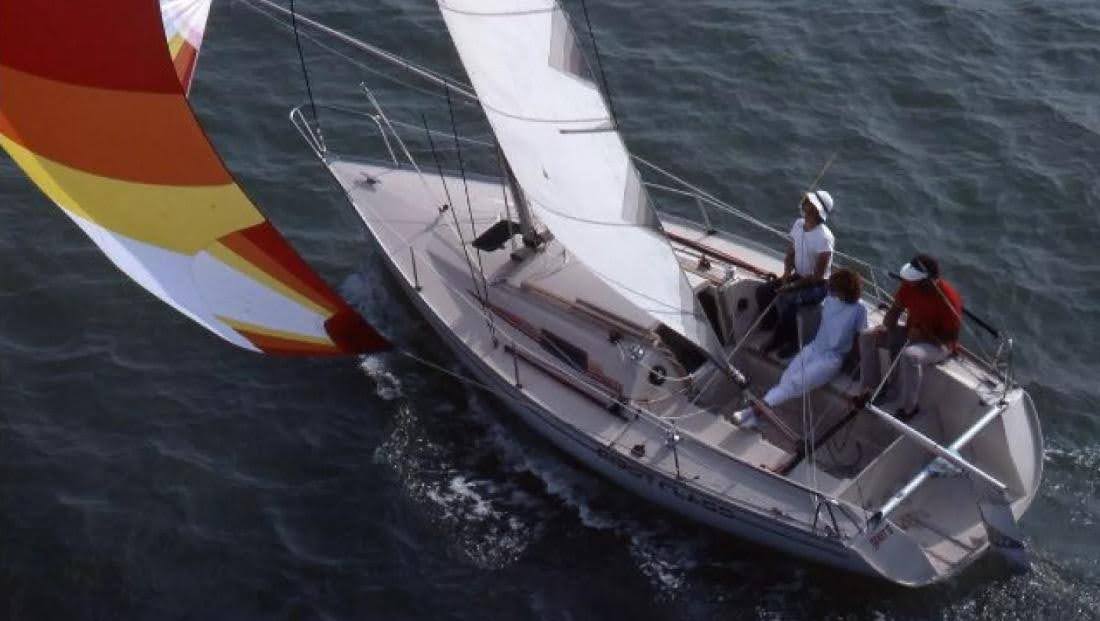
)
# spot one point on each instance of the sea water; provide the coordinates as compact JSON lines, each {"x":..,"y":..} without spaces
{"x":147,"y":470}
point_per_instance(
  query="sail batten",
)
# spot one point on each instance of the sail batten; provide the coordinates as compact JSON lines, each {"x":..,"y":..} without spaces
{"x":555,"y":129}
{"x":110,"y":138}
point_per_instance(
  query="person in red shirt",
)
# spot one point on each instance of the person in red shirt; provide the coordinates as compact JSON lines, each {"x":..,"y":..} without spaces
{"x":931,"y":332}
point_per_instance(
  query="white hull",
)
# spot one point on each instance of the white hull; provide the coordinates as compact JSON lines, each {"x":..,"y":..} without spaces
{"x":726,"y":481}
{"x":651,"y":485}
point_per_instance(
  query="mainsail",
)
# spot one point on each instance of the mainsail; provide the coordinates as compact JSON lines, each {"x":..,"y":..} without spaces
{"x":554,"y":127}
{"x":184,"y":25}
{"x":92,"y":109}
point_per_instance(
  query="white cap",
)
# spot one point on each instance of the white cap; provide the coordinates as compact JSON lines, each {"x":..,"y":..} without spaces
{"x":822,"y":201}
{"x":912,"y":273}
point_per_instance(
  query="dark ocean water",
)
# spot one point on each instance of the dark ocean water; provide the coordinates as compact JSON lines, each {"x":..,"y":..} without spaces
{"x":149,"y":471}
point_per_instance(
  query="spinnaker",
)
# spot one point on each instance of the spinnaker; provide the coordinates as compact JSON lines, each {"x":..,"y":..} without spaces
{"x":98,"y":119}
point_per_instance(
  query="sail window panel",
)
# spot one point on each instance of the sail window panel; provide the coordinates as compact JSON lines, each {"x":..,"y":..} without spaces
{"x":636,"y":206}
{"x":565,"y":52}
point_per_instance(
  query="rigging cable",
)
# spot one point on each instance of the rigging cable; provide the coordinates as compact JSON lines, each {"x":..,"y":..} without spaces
{"x":427,"y":74}
{"x":338,"y":36}
{"x":305,"y":70}
{"x":808,"y":427}
{"x":599,"y":65}
{"x":458,"y":376}
{"x":449,"y":207}
{"x":466,"y":188}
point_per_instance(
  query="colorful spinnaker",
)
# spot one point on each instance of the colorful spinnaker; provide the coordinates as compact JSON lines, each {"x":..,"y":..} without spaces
{"x":97,"y":118}
{"x":184,"y":25}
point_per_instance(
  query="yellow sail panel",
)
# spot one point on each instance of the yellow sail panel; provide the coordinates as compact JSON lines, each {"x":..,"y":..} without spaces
{"x":99,"y":121}
{"x":162,"y":215}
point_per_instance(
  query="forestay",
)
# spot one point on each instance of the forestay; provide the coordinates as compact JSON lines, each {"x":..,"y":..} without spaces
{"x":554,"y":127}
{"x":184,"y":25}
{"x":92,"y":109}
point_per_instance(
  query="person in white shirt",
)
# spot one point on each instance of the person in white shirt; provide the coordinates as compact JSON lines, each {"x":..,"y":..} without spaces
{"x":806,"y":267}
{"x":843,"y":318}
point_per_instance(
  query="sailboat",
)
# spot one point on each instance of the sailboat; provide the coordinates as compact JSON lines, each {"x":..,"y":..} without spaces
{"x":624,"y":335}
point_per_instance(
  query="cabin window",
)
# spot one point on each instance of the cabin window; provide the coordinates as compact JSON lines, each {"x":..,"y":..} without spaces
{"x":564,"y":350}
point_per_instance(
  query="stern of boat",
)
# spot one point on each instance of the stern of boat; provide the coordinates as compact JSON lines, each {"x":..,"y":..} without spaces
{"x":937,"y":529}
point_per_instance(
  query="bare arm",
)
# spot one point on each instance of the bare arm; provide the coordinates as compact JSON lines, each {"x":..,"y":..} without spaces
{"x":788,"y":261}
{"x":801,"y":282}
{"x":892,"y":315}
{"x":823,"y":261}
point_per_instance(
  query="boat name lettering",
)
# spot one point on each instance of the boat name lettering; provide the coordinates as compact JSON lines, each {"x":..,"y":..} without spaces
{"x":664,"y":484}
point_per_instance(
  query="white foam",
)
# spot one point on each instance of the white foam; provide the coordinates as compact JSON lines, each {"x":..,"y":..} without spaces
{"x":485,"y":518}
{"x":665,"y":557}
{"x":386,"y":384}
{"x":491,"y":518}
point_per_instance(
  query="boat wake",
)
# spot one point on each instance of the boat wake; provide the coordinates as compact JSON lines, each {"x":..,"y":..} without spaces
{"x":662,"y":554}
{"x":1085,"y":459}
{"x":446,"y":470}
{"x":1073,"y":486}
{"x":493,"y":489}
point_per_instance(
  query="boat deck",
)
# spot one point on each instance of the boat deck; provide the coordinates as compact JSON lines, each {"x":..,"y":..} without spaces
{"x":549,"y":333}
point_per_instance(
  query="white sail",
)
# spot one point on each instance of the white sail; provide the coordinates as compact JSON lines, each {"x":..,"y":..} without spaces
{"x":554,"y":127}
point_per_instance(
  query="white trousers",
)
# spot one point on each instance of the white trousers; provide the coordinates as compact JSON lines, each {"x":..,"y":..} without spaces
{"x":914,"y":358}
{"x":806,"y":371}
{"x":911,"y":369}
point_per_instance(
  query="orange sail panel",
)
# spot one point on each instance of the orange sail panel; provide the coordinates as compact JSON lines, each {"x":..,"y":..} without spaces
{"x":184,"y":25}
{"x":98,"y":119}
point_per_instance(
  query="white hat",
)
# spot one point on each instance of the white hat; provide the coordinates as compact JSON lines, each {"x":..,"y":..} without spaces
{"x":912,"y":273}
{"x":919,"y":268}
{"x":822,"y":201}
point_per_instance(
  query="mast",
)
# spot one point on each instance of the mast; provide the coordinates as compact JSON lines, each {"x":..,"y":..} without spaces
{"x":567,"y":163}
{"x":523,"y":210}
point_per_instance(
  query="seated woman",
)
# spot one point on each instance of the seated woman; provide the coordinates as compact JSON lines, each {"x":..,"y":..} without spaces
{"x":842,"y":320}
